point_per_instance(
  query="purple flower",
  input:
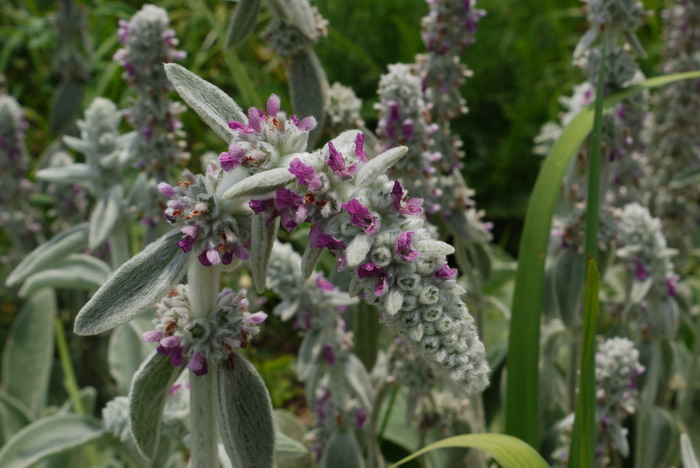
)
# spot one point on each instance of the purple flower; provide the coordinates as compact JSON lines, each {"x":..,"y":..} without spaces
{"x":167,"y":190}
{"x":403,"y":246}
{"x":290,"y":206}
{"x":232,"y":158}
{"x":370,"y":270}
{"x":153,"y":336}
{"x":324,"y":284}
{"x":360,"y":216}
{"x":445,"y":272}
{"x":306,"y":175}
{"x":257,"y":318}
{"x":235,"y":125}
{"x":328,"y":354}
{"x":359,"y":147}
{"x":640,"y":271}
{"x":198,"y":364}
{"x":188,"y":240}
{"x":319,"y":239}
{"x":337,"y":162}
{"x":409,"y":206}
{"x":258,"y":206}
{"x":273,"y":105}
{"x":361,"y":415}
{"x":307,"y":124}
{"x":672,"y":285}
{"x":209,"y":257}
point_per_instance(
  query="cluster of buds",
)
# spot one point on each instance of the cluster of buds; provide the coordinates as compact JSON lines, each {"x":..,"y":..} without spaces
{"x":184,"y":337}
{"x":147,"y":44}
{"x":343,"y":108}
{"x":616,"y":370}
{"x":404,"y":120}
{"x":378,"y":232}
{"x":216,"y":230}
{"x":295,"y":25}
{"x":675,"y":139}
{"x":448,"y":29}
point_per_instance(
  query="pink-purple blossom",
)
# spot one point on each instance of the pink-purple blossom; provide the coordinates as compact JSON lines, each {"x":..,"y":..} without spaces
{"x":360,"y":216}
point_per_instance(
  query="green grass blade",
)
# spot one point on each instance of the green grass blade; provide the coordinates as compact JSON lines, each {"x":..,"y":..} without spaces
{"x":582,"y":451}
{"x":508,"y":451}
{"x":522,"y":410}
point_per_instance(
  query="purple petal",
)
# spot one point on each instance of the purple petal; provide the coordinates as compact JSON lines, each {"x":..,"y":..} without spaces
{"x":177,"y":357}
{"x":403,"y":246}
{"x":319,"y":239}
{"x":360,"y":216}
{"x":307,"y":124}
{"x":258,"y":206}
{"x":285,"y":198}
{"x":256,"y":318}
{"x":240,"y":252}
{"x":170,"y":342}
{"x":305,"y":174}
{"x":445,"y":272}
{"x":152,"y":336}
{"x":359,"y":147}
{"x":167,"y":190}
{"x":273,"y":105}
{"x":198,"y":364}
{"x":234,"y":125}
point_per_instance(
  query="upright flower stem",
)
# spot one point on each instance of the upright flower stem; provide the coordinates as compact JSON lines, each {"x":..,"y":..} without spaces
{"x":203,"y":289}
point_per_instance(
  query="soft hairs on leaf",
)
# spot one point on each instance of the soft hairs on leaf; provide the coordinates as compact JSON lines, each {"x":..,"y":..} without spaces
{"x":147,"y":397}
{"x":214,"y":106}
{"x":134,"y":287}
{"x":245,"y":415}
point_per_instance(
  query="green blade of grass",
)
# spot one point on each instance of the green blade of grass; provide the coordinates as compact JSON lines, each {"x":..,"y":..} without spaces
{"x":522,"y":408}
{"x":583,"y":441}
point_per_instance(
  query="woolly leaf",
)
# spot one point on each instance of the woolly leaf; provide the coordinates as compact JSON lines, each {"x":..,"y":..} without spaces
{"x":309,"y":260}
{"x":49,"y":436}
{"x":260,"y":184}
{"x":687,"y":453}
{"x":357,"y":250}
{"x":213,"y":105}
{"x":147,"y":397}
{"x":28,"y":353}
{"x":357,"y":377}
{"x":308,"y":353}
{"x":262,"y":239}
{"x":342,"y":451}
{"x":245,"y":415}
{"x":125,"y":354}
{"x":286,"y":447}
{"x":69,"y":174}
{"x":48,"y":254}
{"x":14,"y":415}
{"x":105,"y":216}
{"x":308,"y":87}
{"x":243,"y":22}
{"x":367,"y":173}
{"x":134,"y":287}
{"x":77,"y":271}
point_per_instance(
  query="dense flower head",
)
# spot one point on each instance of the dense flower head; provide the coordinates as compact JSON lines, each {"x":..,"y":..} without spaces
{"x":622,"y":15}
{"x":148,"y":43}
{"x":115,"y":415}
{"x":366,"y":228}
{"x":216,"y":230}
{"x":448,"y":29}
{"x":343,"y":107}
{"x":266,"y":137}
{"x":197,"y":340}
{"x":620,"y":67}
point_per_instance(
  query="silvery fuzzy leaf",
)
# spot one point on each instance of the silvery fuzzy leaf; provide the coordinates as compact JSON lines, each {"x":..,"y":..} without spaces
{"x":368,"y":172}
{"x":48,"y":254}
{"x":243,"y":22}
{"x":125,"y":354}
{"x":345,"y":138}
{"x":286,"y":447}
{"x":14,"y":415}
{"x":28,"y":354}
{"x":260,"y":184}
{"x":436,"y":247}
{"x":619,"y":439}
{"x":393,"y":302}
{"x":262,"y":239}
{"x":309,"y":260}
{"x":687,"y":453}
{"x":245,"y":415}
{"x":340,"y":298}
{"x":87,"y":397}
{"x":309,"y":352}
{"x":147,"y":397}
{"x":586,"y":40}
{"x":76,"y":143}
{"x":212,"y":105}
{"x":77,"y":173}
{"x":289,"y":425}
{"x":286,"y":309}
{"x":49,"y":436}
{"x":134,"y":287}
{"x":357,"y":249}
{"x":356,"y":375}
{"x":105,"y":216}
{"x":308,"y":87}
{"x":76,"y":271}
{"x":342,"y":451}
{"x":639,"y":290}
{"x":658,"y":432}
{"x":297,"y":13}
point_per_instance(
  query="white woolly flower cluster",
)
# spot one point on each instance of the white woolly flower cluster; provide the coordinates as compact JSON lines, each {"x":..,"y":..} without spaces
{"x":115,"y":416}
{"x":616,"y":370}
{"x":182,"y":336}
{"x":343,"y":108}
{"x":147,"y":44}
{"x":448,"y":29}
{"x":675,"y":139}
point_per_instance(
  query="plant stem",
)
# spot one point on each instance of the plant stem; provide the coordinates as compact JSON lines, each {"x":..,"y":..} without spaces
{"x":203,"y":289}
{"x":390,"y":407}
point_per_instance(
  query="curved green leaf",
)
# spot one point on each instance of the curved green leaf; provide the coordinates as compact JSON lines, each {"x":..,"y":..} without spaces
{"x":147,"y":397}
{"x":134,"y":287}
{"x":77,"y":271}
{"x":245,"y":415}
{"x":342,"y":451}
{"x":49,"y":436}
{"x":14,"y":415}
{"x":308,"y":87}
{"x":28,"y":353}
{"x":105,"y":216}
{"x":506,"y":450}
{"x":46,"y":255}
{"x":242,"y":22}
{"x":522,"y":409}
{"x":286,"y":447}
{"x":69,"y":174}
{"x":125,"y":354}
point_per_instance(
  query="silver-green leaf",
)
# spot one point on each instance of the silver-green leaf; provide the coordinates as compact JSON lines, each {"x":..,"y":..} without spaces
{"x":243,"y":21}
{"x":125,"y":354}
{"x":260,"y":184}
{"x":76,"y":271}
{"x":105,"y":216}
{"x":134,"y":287}
{"x":213,"y":105}
{"x":147,"y":397}
{"x":308,"y":87}
{"x":342,"y":451}
{"x":245,"y":415}
{"x":77,"y":173}
{"x":262,"y":239}
{"x":377,"y":166}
